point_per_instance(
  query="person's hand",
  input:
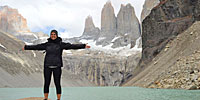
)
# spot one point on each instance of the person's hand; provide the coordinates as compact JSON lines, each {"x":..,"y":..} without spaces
{"x":23,"y":48}
{"x":87,"y":46}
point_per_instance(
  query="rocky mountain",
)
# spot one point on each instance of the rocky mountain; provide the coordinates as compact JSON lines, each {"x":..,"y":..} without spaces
{"x":25,"y":68}
{"x":14,"y":23}
{"x":127,"y":21}
{"x":90,"y":32}
{"x":176,"y":66}
{"x":166,"y":22}
{"x":121,"y":30}
{"x":108,"y":25}
{"x":147,"y":7}
{"x":128,"y":27}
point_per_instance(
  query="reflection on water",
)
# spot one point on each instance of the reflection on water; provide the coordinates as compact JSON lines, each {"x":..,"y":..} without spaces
{"x":102,"y":93}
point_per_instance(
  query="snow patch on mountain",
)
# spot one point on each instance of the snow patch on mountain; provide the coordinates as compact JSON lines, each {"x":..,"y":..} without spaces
{"x":101,"y":38}
{"x":2,"y":46}
{"x":27,"y":43}
{"x":121,"y":51}
{"x":115,"y":38}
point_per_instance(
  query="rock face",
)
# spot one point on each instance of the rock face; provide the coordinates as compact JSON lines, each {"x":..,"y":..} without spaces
{"x":166,"y":21}
{"x":101,"y":68}
{"x":25,"y":68}
{"x":121,"y":30}
{"x":90,"y":32}
{"x":128,"y":27}
{"x":14,"y":23}
{"x":108,"y":24}
{"x":176,"y":66}
{"x":127,"y":22}
{"x":108,"y":19}
{"x":147,"y":7}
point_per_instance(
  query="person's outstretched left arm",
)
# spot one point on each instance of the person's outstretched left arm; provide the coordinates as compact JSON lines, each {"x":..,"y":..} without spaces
{"x":74,"y":46}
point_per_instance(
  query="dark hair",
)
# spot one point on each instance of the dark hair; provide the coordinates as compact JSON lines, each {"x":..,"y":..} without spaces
{"x":54,"y":31}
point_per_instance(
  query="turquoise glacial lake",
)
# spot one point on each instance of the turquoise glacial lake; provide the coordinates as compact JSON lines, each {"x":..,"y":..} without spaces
{"x":102,"y":93}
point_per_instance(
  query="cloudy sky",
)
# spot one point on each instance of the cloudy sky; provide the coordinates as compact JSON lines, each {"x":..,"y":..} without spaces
{"x":67,"y":16}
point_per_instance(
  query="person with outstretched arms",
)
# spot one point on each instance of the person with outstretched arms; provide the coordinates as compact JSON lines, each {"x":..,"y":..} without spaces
{"x":53,"y":60}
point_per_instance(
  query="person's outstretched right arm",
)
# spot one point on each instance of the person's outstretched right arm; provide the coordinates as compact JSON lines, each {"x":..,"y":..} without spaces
{"x":41,"y":46}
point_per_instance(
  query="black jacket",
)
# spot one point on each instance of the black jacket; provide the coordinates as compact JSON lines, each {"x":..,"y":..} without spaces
{"x":54,"y":49}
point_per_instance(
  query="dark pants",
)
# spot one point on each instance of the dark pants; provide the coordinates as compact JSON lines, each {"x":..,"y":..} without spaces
{"x":47,"y":78}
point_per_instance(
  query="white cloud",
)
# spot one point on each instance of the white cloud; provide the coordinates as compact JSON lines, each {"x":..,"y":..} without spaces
{"x":65,"y":14}
{"x":64,"y":34}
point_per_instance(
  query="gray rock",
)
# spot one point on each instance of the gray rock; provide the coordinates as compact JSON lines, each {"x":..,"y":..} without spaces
{"x":128,"y":27}
{"x":90,"y":32}
{"x":127,"y":22}
{"x":147,"y":7}
{"x":192,"y":87}
{"x":125,"y":27}
{"x":194,"y":77}
{"x":124,"y":40}
{"x":108,"y":25}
